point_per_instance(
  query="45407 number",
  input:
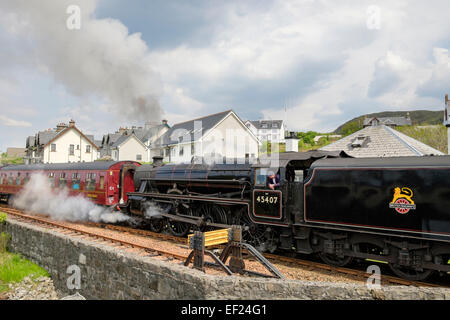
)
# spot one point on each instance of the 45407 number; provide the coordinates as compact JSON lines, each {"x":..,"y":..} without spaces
{"x":267,"y":199}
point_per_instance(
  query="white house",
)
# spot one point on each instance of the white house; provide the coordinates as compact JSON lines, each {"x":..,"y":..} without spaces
{"x":147,"y":135}
{"x":267,"y":130}
{"x":129,"y":147}
{"x":66,"y":144}
{"x":215,"y":138}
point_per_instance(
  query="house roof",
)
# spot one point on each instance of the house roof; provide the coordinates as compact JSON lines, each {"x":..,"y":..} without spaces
{"x":62,"y":132}
{"x":192,"y":132}
{"x":267,"y":124}
{"x":146,"y":134}
{"x":399,"y":121}
{"x":124,"y":138}
{"x":43,"y":137}
{"x":381,"y":141}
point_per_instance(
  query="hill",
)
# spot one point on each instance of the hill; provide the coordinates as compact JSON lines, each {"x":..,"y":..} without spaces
{"x":418,"y":117}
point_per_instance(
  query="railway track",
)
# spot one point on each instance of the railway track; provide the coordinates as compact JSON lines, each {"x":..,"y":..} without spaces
{"x":17,"y":214}
{"x":167,"y":237}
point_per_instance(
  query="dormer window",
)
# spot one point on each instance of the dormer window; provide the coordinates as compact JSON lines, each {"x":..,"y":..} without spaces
{"x":358,"y":141}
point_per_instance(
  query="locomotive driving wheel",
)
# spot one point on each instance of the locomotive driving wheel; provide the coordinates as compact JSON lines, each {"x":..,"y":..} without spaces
{"x":212,"y":214}
{"x":157,"y":224}
{"x":252,"y":233}
{"x":178,"y":228}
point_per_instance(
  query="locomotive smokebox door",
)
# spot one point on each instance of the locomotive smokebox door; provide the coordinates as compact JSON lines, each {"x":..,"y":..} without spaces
{"x":267,"y":204}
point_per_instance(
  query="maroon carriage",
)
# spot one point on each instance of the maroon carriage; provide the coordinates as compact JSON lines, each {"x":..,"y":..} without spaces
{"x":105,"y":182}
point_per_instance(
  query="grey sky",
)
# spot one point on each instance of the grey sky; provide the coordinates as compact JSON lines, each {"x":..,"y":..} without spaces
{"x":325,"y":62}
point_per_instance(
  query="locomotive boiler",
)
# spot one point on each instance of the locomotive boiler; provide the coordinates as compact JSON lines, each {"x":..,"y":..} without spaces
{"x":392,"y":210}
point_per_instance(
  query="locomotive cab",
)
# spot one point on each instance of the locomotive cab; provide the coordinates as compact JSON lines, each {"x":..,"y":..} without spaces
{"x":283,"y":205}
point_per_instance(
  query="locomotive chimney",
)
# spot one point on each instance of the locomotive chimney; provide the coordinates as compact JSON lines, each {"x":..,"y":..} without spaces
{"x":157,"y":161}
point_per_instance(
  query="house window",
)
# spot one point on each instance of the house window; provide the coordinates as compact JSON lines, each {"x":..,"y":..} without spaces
{"x":71,"y":150}
{"x":78,"y":147}
{"x":181,"y":151}
{"x":88,"y":148}
{"x":192,"y":149}
{"x":167,"y":152}
{"x":53,"y":147}
{"x":139,"y":157}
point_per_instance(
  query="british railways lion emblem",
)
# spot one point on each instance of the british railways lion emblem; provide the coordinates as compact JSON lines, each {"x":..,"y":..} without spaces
{"x":402,"y":201}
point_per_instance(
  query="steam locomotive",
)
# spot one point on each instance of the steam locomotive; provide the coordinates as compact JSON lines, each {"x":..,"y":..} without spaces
{"x":392,"y":210}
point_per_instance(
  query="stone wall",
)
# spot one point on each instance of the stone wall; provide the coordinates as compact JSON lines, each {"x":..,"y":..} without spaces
{"x":110,"y":273}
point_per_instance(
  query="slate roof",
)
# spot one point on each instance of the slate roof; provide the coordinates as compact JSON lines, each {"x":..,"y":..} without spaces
{"x":399,"y":121}
{"x":381,"y":141}
{"x":267,"y":124}
{"x":43,"y":137}
{"x":207,"y":123}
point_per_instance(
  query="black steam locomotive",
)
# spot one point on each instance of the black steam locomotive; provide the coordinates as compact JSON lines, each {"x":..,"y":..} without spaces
{"x":392,"y":210}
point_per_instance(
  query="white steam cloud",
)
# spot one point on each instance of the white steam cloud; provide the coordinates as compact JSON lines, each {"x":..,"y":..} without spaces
{"x":99,"y":60}
{"x":38,"y":196}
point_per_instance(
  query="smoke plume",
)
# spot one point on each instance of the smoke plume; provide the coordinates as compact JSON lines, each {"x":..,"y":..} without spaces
{"x":100,"y":60}
{"x":37,"y":196}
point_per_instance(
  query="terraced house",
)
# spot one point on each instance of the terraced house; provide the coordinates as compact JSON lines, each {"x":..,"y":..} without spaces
{"x":64,"y":144}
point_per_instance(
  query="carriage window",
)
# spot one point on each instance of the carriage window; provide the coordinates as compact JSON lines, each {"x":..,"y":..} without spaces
{"x":1,"y":179}
{"x":102,"y":182}
{"x":62,"y":180}
{"x":18,"y":180}
{"x":51,"y":179}
{"x":76,"y":181}
{"x":27,"y":177}
{"x":298,"y":176}
{"x":10,"y":179}
{"x":90,"y":181}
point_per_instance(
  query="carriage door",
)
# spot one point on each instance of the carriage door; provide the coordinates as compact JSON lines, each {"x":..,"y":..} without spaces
{"x":126,"y":182}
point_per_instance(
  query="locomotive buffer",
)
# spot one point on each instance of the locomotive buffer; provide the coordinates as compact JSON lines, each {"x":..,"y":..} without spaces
{"x":233,"y":250}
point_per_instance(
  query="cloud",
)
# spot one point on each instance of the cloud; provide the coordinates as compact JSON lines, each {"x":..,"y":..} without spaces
{"x":439,"y":80}
{"x":13,"y":123}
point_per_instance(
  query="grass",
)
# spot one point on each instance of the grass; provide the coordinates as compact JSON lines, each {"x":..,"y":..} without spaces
{"x":14,"y":268}
{"x":3,"y":217}
{"x":433,"y":135}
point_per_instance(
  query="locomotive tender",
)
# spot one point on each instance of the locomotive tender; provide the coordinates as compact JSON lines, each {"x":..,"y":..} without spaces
{"x":392,"y":210}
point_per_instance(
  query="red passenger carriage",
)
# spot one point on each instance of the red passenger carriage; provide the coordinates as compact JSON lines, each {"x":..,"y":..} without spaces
{"x":105,"y":182}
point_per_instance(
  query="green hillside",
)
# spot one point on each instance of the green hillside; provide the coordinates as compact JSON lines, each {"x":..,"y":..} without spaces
{"x":418,"y":117}
{"x":434,"y":136}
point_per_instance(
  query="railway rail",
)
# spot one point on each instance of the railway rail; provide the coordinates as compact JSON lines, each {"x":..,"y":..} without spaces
{"x":18,"y":214}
